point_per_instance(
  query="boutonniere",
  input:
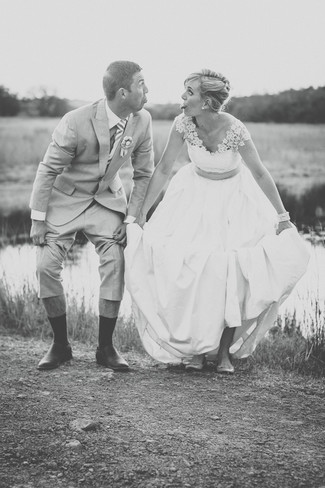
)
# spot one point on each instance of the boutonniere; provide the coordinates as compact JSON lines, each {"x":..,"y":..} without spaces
{"x":125,"y":144}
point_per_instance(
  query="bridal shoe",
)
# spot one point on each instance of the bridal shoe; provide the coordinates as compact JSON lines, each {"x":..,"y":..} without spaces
{"x":196,"y":363}
{"x":225,"y":369}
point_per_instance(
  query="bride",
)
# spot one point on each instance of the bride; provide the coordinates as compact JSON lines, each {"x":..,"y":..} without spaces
{"x":219,"y":255}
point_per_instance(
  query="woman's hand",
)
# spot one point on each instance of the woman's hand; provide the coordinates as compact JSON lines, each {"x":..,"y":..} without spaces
{"x":283,"y":225}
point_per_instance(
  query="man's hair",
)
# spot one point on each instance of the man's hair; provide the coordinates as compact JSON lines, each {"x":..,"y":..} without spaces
{"x":119,"y":74}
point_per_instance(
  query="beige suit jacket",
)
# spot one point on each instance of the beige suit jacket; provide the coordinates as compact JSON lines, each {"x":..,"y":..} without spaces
{"x":75,"y":170}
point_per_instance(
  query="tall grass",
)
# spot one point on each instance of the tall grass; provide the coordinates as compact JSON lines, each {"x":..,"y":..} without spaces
{"x":286,"y":348}
{"x":21,"y":312}
{"x":283,"y":348}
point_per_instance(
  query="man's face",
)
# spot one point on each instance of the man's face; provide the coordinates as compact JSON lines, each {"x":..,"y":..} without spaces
{"x":136,"y":96}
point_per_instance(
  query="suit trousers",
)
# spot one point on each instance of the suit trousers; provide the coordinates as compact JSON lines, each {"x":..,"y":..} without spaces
{"x":98,"y":223}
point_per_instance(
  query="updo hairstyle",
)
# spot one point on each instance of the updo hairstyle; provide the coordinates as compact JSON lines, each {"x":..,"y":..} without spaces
{"x":214,"y":88}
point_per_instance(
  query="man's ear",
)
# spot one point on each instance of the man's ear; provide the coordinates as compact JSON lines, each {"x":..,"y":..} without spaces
{"x":122,"y":92}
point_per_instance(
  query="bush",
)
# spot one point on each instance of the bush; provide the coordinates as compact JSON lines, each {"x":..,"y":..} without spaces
{"x":9,"y":103}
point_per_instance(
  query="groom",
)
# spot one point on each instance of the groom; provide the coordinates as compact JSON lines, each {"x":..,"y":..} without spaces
{"x":78,"y":187}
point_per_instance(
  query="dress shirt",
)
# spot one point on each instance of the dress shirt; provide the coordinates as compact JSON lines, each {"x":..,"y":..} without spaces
{"x":113,"y":119}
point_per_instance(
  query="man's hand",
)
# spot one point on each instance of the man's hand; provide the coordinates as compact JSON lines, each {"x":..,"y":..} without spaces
{"x":38,"y":232}
{"x":283,"y":225}
{"x":120,"y":235}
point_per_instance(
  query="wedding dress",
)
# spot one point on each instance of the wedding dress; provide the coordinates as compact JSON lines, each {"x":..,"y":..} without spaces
{"x":209,"y":257}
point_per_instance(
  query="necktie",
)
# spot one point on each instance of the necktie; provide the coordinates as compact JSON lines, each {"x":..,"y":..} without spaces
{"x":116,"y":133}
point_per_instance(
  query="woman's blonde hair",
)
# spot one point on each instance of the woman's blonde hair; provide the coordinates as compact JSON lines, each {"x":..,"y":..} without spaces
{"x":214,"y":88}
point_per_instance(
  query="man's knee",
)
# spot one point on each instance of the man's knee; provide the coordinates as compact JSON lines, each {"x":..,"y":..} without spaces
{"x":49,"y":260}
{"x":112,"y":254}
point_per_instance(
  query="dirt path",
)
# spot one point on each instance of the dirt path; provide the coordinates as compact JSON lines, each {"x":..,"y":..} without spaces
{"x":82,"y":425}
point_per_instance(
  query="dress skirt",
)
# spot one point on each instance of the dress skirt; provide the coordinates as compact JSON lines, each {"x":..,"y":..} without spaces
{"x":209,"y":258}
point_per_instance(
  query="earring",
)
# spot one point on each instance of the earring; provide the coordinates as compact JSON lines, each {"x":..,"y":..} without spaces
{"x":203,"y":107}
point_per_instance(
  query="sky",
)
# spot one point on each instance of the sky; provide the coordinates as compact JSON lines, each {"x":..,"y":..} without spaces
{"x":261,"y":46}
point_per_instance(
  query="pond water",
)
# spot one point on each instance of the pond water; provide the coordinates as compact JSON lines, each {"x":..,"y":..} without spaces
{"x":81,"y":280}
{"x":80,"y":273}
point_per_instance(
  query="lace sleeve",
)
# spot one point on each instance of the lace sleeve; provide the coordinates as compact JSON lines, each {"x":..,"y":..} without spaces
{"x":236,"y":136}
{"x":180,"y":124}
{"x":244,"y":134}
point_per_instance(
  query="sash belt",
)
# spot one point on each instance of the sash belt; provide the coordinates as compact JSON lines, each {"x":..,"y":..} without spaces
{"x":211,"y":175}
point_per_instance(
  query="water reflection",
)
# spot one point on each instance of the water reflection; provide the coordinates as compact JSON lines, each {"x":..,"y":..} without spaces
{"x":80,"y":274}
{"x":81,"y":280}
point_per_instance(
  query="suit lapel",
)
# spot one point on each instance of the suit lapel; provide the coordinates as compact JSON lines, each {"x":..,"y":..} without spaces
{"x":100,"y":123}
{"x":117,"y":160}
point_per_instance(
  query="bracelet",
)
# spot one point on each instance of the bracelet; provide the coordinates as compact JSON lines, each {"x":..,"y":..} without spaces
{"x":283,"y":217}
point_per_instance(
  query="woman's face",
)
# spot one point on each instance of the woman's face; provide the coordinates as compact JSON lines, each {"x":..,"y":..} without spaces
{"x":192,"y":101}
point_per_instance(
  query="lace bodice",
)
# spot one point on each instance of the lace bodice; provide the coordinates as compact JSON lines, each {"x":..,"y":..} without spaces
{"x":225,"y":158}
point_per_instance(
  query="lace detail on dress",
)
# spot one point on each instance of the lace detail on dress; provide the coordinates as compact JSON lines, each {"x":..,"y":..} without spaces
{"x":235,"y":136}
{"x":186,"y":126}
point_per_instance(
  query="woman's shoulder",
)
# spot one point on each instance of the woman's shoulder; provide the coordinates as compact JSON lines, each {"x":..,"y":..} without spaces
{"x":236,"y":132}
{"x":232,"y":123}
{"x":229,"y":120}
{"x":183,"y":123}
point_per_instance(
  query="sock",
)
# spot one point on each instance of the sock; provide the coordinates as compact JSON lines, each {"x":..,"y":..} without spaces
{"x":59,"y":327}
{"x":106,"y":329}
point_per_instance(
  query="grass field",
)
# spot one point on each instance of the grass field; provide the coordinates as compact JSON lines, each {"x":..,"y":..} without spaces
{"x":294,"y":154}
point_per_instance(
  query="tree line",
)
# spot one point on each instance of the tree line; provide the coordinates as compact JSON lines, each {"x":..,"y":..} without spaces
{"x":42,"y":104}
{"x":291,"y":106}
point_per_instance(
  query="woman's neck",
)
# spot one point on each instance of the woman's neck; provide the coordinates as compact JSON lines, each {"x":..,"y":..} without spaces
{"x":207,"y":121}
